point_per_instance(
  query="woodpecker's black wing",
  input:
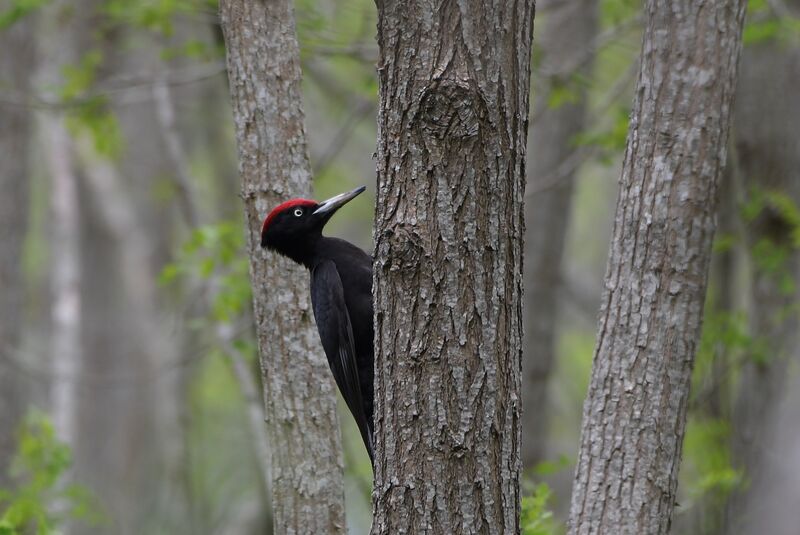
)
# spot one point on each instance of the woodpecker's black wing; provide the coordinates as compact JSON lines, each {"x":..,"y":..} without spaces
{"x":336,"y":333}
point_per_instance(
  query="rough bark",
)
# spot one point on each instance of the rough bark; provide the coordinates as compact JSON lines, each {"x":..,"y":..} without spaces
{"x":264,"y":73}
{"x":568,"y":30}
{"x":15,"y":132}
{"x":768,"y":158}
{"x":635,"y":411}
{"x":454,"y":84}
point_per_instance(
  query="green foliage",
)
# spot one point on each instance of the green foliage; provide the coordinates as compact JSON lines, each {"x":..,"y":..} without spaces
{"x":764,"y":25}
{"x":546,"y":468}
{"x":87,"y":112}
{"x":771,"y":252}
{"x":193,"y":49}
{"x":17,"y":10}
{"x":724,"y":242}
{"x":611,"y":139}
{"x":216,"y":252}
{"x":724,"y":333}
{"x":220,"y":457}
{"x":613,"y":12}
{"x":562,"y":92}
{"x":536,"y":518}
{"x":339,"y":40}
{"x":711,"y":475}
{"x":155,"y":15}
{"x":39,"y":466}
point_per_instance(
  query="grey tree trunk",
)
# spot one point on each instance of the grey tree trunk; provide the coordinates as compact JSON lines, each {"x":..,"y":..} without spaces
{"x":565,"y":40}
{"x":123,"y":342}
{"x":766,"y":135}
{"x":635,"y":411}
{"x":135,"y":235}
{"x":15,"y":132}
{"x":264,"y":71}
{"x":65,"y":263}
{"x":454,"y":85}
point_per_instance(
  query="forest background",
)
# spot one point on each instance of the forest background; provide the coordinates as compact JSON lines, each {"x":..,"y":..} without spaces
{"x":129,"y":386}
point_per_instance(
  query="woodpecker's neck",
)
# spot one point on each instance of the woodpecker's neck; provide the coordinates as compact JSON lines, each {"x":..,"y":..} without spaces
{"x":304,"y":251}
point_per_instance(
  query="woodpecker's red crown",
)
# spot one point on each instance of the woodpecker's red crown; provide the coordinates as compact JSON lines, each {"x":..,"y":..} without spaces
{"x":294,"y":227}
{"x":284,"y":206}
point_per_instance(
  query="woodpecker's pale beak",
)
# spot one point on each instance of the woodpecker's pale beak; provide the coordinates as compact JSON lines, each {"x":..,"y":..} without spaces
{"x":334,"y":203}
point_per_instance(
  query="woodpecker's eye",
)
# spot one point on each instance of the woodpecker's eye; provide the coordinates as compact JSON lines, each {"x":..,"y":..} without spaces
{"x":298,"y":212}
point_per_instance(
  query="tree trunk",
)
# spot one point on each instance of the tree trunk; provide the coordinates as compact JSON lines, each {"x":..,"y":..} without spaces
{"x":635,"y":411}
{"x":264,"y":72}
{"x":123,"y":342}
{"x":15,"y":133}
{"x":454,"y":85}
{"x":768,"y":157}
{"x":564,"y":42}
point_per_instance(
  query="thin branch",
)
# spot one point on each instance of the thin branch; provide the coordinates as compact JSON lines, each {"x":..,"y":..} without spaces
{"x":582,"y":154}
{"x":165,"y":111}
{"x":126,"y":89}
{"x":342,"y":136}
{"x":252,"y":401}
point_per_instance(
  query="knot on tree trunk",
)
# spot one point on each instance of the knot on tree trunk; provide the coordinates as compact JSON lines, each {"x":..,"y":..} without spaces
{"x":450,"y":110}
{"x":405,"y":249}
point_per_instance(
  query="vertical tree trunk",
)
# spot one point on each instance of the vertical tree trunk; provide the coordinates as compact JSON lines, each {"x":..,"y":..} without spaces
{"x":65,"y":282}
{"x":635,"y":410}
{"x":264,"y":72}
{"x":15,"y":133}
{"x":768,"y":156}
{"x":62,"y":41}
{"x":454,"y":84}
{"x":123,"y":343}
{"x":564,"y":43}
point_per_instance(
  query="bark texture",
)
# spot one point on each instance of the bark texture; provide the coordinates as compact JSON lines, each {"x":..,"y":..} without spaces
{"x":767,"y":157}
{"x":264,"y":72}
{"x":568,"y":31}
{"x":454,"y":84}
{"x":635,"y":411}
{"x":15,"y":131}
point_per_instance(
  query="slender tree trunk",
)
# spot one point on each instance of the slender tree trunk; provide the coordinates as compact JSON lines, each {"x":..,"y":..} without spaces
{"x":264,"y":72}
{"x":63,"y":39}
{"x":15,"y":132}
{"x":635,"y":411}
{"x":65,"y":282}
{"x":767,"y":152}
{"x":142,"y":169}
{"x":454,"y":85}
{"x":567,"y":33}
{"x":123,"y":341}
{"x":187,"y":201}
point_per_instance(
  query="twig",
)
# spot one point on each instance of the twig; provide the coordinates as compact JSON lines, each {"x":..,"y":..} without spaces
{"x":124,"y":89}
{"x":165,"y":112}
{"x":342,"y":136}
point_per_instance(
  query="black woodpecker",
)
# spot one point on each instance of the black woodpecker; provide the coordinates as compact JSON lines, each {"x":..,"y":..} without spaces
{"x":341,"y":295}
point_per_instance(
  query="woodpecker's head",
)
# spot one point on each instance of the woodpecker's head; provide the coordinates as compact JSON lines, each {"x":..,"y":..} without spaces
{"x":293,"y":227}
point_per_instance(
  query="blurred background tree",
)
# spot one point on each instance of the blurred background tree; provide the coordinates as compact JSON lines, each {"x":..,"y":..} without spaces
{"x":130,"y":352}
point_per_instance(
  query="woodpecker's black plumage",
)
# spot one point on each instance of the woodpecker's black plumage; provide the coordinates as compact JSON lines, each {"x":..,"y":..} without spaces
{"x":341,"y":295}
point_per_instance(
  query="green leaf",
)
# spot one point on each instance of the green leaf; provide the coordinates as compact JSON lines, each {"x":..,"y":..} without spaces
{"x":561,"y":94}
{"x":546,"y":468}
{"x":17,"y":10}
{"x":724,"y":242}
{"x":39,"y":465}
{"x":535,"y":518}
